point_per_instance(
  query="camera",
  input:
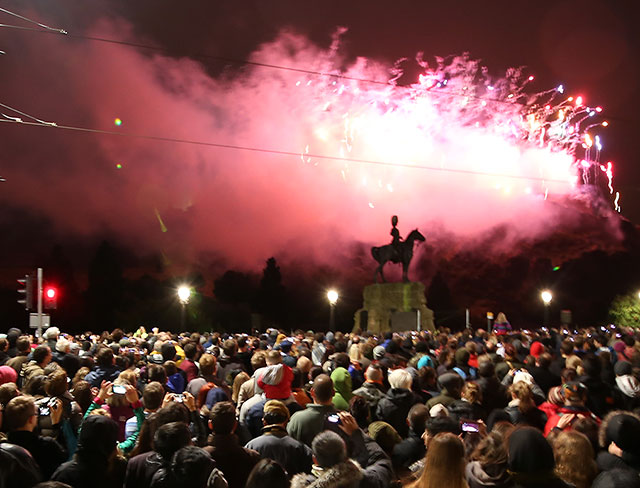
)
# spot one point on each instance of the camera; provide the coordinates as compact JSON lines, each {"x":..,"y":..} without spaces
{"x":118,"y":389}
{"x":334,"y":418}
{"x":178,"y":397}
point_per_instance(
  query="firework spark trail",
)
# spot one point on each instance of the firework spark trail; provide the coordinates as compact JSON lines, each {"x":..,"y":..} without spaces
{"x":457,"y":108}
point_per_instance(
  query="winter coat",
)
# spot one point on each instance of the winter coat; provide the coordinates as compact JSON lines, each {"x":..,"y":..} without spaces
{"x":372,"y":393}
{"x":276,"y":381}
{"x":553,"y":420}
{"x":600,"y":398}
{"x":45,"y":451}
{"x":19,"y":470}
{"x":100,"y":374}
{"x":342,"y":387}
{"x":343,"y":475}
{"x":408,"y":451}
{"x":293,"y":455}
{"x":306,"y":424}
{"x":494,"y":393}
{"x":69,"y":362}
{"x":141,"y":468}
{"x":533,"y":417}
{"x":394,"y":409}
{"x":235,"y":461}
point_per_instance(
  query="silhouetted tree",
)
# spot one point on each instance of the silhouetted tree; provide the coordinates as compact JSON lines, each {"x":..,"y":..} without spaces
{"x":106,"y":286}
{"x":271,"y":297}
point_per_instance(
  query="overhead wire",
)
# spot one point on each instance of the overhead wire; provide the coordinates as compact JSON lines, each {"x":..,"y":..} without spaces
{"x":278,"y":152}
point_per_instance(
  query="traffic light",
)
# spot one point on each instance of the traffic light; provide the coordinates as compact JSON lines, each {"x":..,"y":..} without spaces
{"x":50,"y":297}
{"x":28,"y":292}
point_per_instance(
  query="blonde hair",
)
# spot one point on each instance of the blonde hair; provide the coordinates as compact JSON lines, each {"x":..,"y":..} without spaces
{"x":444,"y":464}
{"x":238,"y":381}
{"x":574,"y":457}
{"x":471,"y":392}
{"x":522,"y":391}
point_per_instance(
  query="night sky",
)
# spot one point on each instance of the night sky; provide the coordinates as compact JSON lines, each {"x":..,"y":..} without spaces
{"x":195,"y":204}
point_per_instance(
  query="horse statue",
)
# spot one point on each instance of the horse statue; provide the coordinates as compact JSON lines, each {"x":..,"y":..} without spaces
{"x":386,"y":253}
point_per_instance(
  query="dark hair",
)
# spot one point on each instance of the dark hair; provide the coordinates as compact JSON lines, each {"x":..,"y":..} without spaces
{"x":359,"y":408}
{"x":193,"y":464}
{"x":298,"y":378}
{"x":152,"y":395}
{"x":82,"y":394}
{"x":104,"y":357}
{"x":155,"y":372}
{"x":23,"y":344}
{"x":171,"y":437}
{"x":190,"y":350}
{"x":566,"y":347}
{"x":314,"y":372}
{"x":267,"y":474}
{"x":418,"y":416}
{"x":544,"y":360}
{"x":230,"y":347}
{"x":223,"y":418}
{"x":174,"y":412}
{"x":342,"y":360}
{"x":592,"y":366}
{"x":56,"y":383}
{"x":491,"y":451}
{"x":40,"y":353}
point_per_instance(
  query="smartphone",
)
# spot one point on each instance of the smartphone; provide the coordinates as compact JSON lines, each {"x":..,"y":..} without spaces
{"x":334,"y":418}
{"x":178,"y":397}
{"x":44,"y":410}
{"x":470,"y":427}
{"x":118,"y":389}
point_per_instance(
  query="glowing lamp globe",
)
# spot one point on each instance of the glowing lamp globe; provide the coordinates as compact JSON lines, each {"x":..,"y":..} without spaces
{"x":184,"y":293}
{"x":546,"y":297}
{"x":332,"y":296}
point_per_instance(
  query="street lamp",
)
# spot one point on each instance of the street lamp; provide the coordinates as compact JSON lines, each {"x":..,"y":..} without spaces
{"x":184,"y":294}
{"x":546,"y":299}
{"x":332,"y":296}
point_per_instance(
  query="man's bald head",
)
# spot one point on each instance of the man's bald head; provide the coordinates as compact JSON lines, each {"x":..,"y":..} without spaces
{"x":322,"y":389}
{"x":374,"y":374}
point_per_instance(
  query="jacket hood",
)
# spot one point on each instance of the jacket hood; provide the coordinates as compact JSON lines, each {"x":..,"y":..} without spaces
{"x":497,"y":475}
{"x":342,"y":383}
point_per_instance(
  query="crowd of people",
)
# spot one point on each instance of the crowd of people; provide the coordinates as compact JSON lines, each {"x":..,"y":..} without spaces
{"x":478,"y":409}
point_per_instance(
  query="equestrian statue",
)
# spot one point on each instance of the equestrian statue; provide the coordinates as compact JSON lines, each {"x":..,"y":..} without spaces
{"x":398,"y":251}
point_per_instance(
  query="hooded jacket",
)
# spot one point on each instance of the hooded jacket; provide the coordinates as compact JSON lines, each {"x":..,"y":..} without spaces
{"x":494,"y":476}
{"x":342,"y":387}
{"x":394,"y":409}
{"x":275,"y":444}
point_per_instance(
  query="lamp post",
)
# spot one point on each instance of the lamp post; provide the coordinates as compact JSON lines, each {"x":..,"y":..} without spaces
{"x":184,"y":294}
{"x":332,"y":296}
{"x":546,"y":299}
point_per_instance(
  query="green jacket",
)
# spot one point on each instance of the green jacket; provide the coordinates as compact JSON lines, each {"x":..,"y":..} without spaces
{"x":306,"y":424}
{"x":342,"y":387}
{"x":129,"y":443}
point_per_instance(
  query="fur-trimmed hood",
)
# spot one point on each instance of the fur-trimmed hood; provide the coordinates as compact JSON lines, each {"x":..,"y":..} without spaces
{"x":343,"y":475}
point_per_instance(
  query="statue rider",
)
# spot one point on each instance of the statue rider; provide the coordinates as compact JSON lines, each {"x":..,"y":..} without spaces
{"x":397,"y":240}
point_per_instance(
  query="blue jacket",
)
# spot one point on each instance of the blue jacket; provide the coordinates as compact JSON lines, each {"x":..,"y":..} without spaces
{"x":100,"y":374}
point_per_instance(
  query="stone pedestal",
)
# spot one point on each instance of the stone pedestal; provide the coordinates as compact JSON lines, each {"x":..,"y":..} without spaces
{"x":394,"y":307}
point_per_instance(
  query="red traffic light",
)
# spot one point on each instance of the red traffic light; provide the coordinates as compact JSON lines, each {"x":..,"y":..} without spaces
{"x":50,"y":297}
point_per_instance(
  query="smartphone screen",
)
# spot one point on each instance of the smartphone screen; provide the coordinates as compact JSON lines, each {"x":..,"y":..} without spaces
{"x":119,"y":389}
{"x":470,"y":427}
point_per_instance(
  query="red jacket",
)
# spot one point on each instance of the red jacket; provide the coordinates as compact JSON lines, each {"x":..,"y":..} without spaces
{"x":282,"y":390}
{"x":553,"y":420}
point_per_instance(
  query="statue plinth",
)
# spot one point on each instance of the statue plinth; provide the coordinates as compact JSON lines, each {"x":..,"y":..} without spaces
{"x":394,"y":307}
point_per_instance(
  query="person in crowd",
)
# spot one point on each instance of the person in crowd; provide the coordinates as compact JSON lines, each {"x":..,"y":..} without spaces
{"x":193,"y":464}
{"x":627,"y":389}
{"x":341,"y":382}
{"x":23,"y":348}
{"x":372,"y":390}
{"x":233,"y":460}
{"x":600,"y":399}
{"x":411,"y":449}
{"x":267,"y":474}
{"x":444,"y":464}
{"x":152,"y":398}
{"x":41,"y":357}
{"x":619,"y":434}
{"x":300,"y":395}
{"x":488,"y":465}
{"x":306,"y":424}
{"x":575,"y":459}
{"x":530,"y":460}
{"x":228,"y":362}
{"x":96,"y":463}
{"x":394,"y":407}
{"x":63,"y":356}
{"x":19,"y":470}
{"x":493,"y":392}
{"x":333,"y":467}
{"x":189,"y":365}
{"x":106,"y":369}
{"x":276,"y":444}
{"x":451,"y":391}
{"x":167,"y":440}
{"x":470,"y":404}
{"x":542,"y":375}
{"x":522,"y":408}
{"x":575,"y":397}
{"x":20,"y":419}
